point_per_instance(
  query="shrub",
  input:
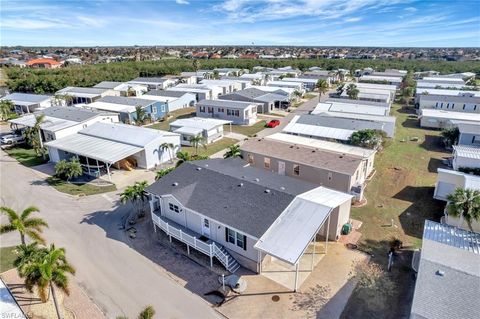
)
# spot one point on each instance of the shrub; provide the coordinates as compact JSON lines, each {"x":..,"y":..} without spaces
{"x":67,"y":170}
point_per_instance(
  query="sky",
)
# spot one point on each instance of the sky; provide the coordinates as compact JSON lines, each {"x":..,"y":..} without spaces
{"x":380,"y":23}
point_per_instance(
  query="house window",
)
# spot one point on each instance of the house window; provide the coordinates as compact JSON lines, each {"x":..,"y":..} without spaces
{"x":230,"y":236}
{"x":202,"y":109}
{"x":266,"y":162}
{"x":330,"y":176}
{"x":210,"y":109}
{"x":296,"y":169}
{"x":453,"y":105}
{"x":250,"y":159}
{"x":235,"y":238}
{"x":240,"y":240}
{"x":154,"y":109}
{"x":221,"y":110}
{"x":476,"y":140}
{"x":206,"y":223}
{"x":464,"y":106}
{"x":174,"y":208}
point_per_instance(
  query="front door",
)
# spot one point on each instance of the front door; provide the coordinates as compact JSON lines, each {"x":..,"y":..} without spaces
{"x":281,"y":168}
{"x":206,"y":228}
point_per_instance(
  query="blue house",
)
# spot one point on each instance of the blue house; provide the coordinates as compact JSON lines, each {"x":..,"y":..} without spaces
{"x":126,"y":107}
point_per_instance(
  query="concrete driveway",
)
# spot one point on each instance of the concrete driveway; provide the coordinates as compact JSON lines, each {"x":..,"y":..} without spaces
{"x":119,"y":279}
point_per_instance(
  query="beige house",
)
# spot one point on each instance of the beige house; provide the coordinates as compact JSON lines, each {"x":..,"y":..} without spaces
{"x":327,"y":167}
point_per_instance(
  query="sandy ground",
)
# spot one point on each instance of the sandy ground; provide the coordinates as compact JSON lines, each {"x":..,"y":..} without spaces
{"x":77,"y":305}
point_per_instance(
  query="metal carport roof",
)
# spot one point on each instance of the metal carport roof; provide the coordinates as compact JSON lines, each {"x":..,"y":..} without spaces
{"x":93,"y":147}
{"x":291,"y":233}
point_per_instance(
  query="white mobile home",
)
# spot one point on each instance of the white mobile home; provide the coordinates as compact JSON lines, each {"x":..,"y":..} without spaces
{"x":28,"y":103}
{"x":434,"y":118}
{"x":251,"y":217}
{"x":241,"y":113}
{"x":210,"y":129}
{"x":102,"y":145}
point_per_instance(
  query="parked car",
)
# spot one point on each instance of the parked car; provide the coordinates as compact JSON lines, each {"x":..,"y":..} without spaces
{"x":12,"y":139}
{"x":273,"y":123}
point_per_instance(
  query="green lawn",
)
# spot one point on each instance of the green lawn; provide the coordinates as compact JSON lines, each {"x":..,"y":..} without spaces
{"x":246,"y":130}
{"x":401,"y":190}
{"x":178,"y":114}
{"x":78,"y":189}
{"x":211,"y":148}
{"x":26,"y":156}
{"x":7,"y":256}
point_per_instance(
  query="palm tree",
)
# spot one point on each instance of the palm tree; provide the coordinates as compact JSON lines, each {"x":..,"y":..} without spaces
{"x":48,"y":269}
{"x":168,"y":147}
{"x":137,"y":195}
{"x":322,"y":87}
{"x":352,"y":91}
{"x":34,"y":137}
{"x":196,"y":142}
{"x":140,"y":115}
{"x":465,"y":204}
{"x":182,"y":158}
{"x":25,"y":254}
{"x":31,"y":227}
{"x":6,"y":109}
{"x":159,"y":174}
{"x":233,"y":151}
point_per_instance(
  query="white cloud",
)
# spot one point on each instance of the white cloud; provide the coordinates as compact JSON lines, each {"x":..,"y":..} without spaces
{"x":91,"y":22}
{"x":182,"y":2}
{"x":411,"y":9}
{"x":353,"y":19}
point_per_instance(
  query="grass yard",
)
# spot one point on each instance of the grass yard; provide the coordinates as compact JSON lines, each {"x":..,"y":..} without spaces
{"x":211,"y":148}
{"x":178,"y":114}
{"x":78,"y":189}
{"x":246,"y":130}
{"x":7,"y":256}
{"x":402,"y":190}
{"x":26,"y":156}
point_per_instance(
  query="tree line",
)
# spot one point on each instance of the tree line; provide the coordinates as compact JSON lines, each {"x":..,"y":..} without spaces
{"x":44,"y":81}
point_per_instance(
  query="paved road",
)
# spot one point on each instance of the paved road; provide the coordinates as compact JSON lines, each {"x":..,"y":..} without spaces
{"x":116,"y":277}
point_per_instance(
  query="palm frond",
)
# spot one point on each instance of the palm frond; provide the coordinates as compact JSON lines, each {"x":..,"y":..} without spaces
{"x":27,"y":211}
{"x":12,"y":215}
{"x":35,"y":222}
{"x":35,"y":236}
{"x":7,"y":228}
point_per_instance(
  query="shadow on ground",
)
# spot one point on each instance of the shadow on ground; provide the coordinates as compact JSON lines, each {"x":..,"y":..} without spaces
{"x":193,"y":273}
{"x":422,"y":200}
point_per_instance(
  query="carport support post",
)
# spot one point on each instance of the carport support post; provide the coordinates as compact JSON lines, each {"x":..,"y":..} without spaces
{"x":108,"y":172}
{"x":328,"y":234}
{"x":313,"y":253}
{"x":296,"y":276}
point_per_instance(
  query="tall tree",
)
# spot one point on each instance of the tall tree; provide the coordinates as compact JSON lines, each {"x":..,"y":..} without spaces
{"x":196,"y":65}
{"x":33,"y":135}
{"x":368,"y":138}
{"x":196,"y":142}
{"x":464,"y":204}
{"x":322,"y":86}
{"x":24,"y":224}
{"x":49,"y":269}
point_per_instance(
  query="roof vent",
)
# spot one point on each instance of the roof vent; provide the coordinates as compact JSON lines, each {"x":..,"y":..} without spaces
{"x":313,"y":151}
{"x":291,"y":146}
{"x":341,"y":156}
{"x":175,"y":184}
{"x":257,"y":180}
{"x":440,"y":273}
{"x":282,"y":188}
{"x":240,"y":185}
{"x":267,"y":191}
{"x":199,"y":168}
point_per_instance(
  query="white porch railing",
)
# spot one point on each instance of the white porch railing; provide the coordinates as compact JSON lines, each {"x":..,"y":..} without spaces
{"x":210,"y":249}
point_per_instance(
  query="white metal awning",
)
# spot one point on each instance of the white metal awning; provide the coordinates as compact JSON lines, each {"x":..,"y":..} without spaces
{"x":291,"y":233}
{"x":187,"y":130}
{"x":93,"y":147}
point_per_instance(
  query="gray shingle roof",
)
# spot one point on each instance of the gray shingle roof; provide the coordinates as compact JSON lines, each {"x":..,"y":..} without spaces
{"x":363,"y":102}
{"x":448,"y":279}
{"x":336,"y":122}
{"x":225,"y":103}
{"x":70,"y":113}
{"x":132,"y":101}
{"x":211,"y":187}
